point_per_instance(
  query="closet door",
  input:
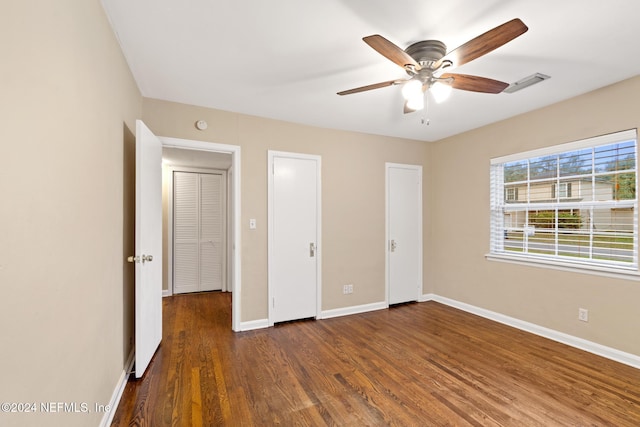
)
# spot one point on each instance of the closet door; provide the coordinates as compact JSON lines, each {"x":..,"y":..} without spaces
{"x":404,"y":232}
{"x":211,"y":232}
{"x":185,"y":232}
{"x":199,"y":227}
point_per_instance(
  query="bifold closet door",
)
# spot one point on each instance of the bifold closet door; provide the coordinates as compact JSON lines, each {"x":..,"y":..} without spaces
{"x":211,"y":232}
{"x":198,"y":232}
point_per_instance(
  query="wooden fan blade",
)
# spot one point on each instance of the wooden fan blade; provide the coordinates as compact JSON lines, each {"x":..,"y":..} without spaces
{"x":475,"y":83}
{"x":485,"y":43}
{"x":371,"y":87}
{"x":390,"y":51}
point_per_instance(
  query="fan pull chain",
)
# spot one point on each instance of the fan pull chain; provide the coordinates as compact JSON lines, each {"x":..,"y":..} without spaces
{"x":422,"y":120}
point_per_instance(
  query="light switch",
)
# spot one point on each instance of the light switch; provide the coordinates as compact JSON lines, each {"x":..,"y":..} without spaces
{"x":252,"y":224}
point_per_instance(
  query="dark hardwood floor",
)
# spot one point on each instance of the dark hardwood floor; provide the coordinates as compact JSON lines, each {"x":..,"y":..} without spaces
{"x":413,"y":365}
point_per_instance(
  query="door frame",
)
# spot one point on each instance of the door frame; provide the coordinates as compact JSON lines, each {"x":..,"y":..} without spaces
{"x":271,"y":155}
{"x":387,"y":231}
{"x":226,"y":285}
{"x":234,"y":223}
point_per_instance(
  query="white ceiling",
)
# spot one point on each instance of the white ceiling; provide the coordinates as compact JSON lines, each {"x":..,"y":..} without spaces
{"x":286,"y":59}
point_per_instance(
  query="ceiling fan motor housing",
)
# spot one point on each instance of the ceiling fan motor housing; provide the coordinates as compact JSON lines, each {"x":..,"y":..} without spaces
{"x":427,"y":52}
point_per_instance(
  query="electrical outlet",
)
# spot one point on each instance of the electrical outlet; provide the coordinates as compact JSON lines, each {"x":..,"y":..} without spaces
{"x":347,"y":289}
{"x":583,"y":314}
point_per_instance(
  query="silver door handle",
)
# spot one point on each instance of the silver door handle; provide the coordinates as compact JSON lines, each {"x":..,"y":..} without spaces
{"x":393,"y":245}
{"x":142,"y":259}
{"x":312,"y":249}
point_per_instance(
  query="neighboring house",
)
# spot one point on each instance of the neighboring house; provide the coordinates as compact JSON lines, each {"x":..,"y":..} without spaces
{"x":571,"y":191}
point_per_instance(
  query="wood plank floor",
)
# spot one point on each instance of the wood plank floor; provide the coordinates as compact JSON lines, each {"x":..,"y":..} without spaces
{"x":417,"y":364}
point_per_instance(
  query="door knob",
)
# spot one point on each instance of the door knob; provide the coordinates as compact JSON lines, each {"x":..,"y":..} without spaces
{"x":142,"y":259}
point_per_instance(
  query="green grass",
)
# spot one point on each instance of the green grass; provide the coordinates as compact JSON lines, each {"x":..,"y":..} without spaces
{"x":599,"y":240}
{"x":581,"y":241}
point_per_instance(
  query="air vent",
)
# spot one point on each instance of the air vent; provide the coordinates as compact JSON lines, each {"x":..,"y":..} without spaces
{"x":526,"y":82}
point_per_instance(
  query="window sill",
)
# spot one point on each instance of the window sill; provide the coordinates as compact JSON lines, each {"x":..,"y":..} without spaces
{"x":613,"y":272}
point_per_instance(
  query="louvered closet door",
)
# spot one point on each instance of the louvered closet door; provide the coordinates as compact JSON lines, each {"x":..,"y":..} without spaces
{"x":198,"y":232}
{"x":211,"y":230}
{"x":185,"y":232}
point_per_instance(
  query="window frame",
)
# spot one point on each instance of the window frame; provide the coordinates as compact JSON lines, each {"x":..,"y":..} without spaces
{"x":562,"y":189}
{"x":501,"y":204}
{"x":511,"y":196}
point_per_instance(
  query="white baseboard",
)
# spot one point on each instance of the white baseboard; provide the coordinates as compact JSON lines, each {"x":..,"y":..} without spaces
{"x":327,"y":314}
{"x":346,"y":311}
{"x":427,"y":297}
{"x":107,"y":418}
{"x":582,"y":344}
{"x":166,"y":293}
{"x":254,"y":324}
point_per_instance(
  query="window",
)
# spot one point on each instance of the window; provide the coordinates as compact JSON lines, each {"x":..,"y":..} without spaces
{"x":511,"y":194}
{"x":564,"y":192}
{"x":571,"y":205}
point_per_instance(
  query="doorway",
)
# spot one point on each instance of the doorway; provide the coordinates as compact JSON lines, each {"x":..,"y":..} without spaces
{"x":215,"y":156}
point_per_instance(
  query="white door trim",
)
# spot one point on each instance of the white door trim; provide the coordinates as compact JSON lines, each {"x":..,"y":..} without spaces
{"x":418,"y":168}
{"x":234,"y":218}
{"x":270,"y":291}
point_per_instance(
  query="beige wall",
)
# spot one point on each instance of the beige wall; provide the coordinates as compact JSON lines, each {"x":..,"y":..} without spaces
{"x":353,"y":194}
{"x":542,"y":296}
{"x":67,"y":100}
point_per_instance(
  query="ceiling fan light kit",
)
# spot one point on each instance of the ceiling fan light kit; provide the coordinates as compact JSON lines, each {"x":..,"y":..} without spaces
{"x":426,"y":62}
{"x":415,"y":103}
{"x":411,"y":89}
{"x":440,"y":91}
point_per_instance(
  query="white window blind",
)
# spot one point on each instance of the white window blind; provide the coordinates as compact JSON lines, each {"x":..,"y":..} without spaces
{"x":573,"y":204}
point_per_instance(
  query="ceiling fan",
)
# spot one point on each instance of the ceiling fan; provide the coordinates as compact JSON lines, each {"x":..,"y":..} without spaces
{"x":427,"y":62}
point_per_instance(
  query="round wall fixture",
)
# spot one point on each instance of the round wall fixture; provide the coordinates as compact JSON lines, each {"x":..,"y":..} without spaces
{"x":201,"y":125}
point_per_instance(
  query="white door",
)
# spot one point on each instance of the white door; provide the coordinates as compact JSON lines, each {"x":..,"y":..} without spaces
{"x":294,"y":231}
{"x":185,"y":232}
{"x":148,"y":256}
{"x":198,"y":231}
{"x":211,"y":259}
{"x":404,"y":232}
